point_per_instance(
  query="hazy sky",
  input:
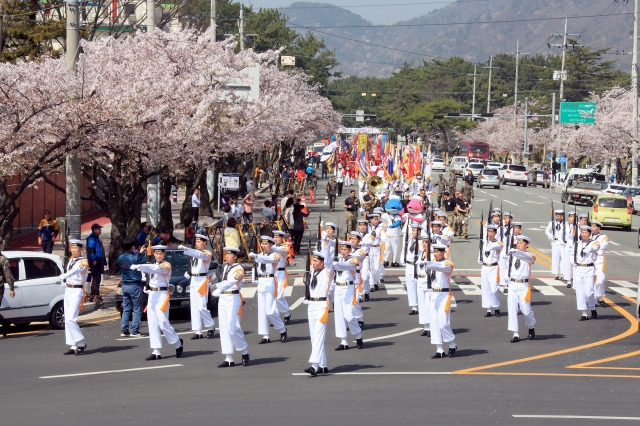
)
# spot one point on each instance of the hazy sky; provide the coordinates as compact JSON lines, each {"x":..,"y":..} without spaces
{"x":376,"y":11}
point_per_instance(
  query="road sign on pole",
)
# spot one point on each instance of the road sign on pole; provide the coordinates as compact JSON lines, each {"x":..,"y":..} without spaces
{"x":577,"y":112}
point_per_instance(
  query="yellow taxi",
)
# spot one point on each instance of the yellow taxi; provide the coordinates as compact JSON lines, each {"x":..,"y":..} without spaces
{"x":612,"y":210}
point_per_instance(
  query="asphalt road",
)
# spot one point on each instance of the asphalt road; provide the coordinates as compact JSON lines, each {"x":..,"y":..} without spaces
{"x":572,"y":373}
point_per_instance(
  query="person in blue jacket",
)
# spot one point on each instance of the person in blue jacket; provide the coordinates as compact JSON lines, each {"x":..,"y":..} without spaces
{"x":97,"y":259}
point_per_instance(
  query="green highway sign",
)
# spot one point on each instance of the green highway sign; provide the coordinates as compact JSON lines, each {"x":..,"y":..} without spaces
{"x":577,"y":112}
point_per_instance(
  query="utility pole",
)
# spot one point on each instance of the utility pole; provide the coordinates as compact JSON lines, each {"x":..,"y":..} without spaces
{"x":473,"y":103}
{"x":153,"y":182}
{"x":525,"y":146}
{"x":212,"y":23}
{"x":564,"y":46}
{"x":634,"y":90}
{"x":515,"y":91}
{"x":241,"y":26}
{"x":490,"y":67}
{"x":1,"y":28}
{"x":72,"y":167}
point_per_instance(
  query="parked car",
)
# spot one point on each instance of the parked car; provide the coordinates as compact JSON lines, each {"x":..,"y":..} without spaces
{"x":39,"y":294}
{"x":613,"y":188}
{"x":179,"y":284}
{"x":437,"y":163}
{"x":489,"y":177}
{"x":633,"y":197}
{"x":611,"y":210}
{"x":458,"y":164}
{"x":513,"y":173}
{"x":493,"y":165}
{"x":475,"y":169}
{"x":541,"y":181}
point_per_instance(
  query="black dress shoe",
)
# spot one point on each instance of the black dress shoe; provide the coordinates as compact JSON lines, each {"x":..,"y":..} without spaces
{"x":532,"y":334}
{"x":323,"y":370}
{"x":488,"y":314}
{"x":81,"y":349}
{"x":311,"y":371}
{"x":224,"y":364}
{"x":264,"y":340}
{"x":583,"y":318}
{"x":452,"y":352}
{"x":283,"y":335}
{"x":413,"y":312}
{"x":515,"y":339}
{"x":601,"y":303}
{"x":69,"y":352}
{"x":506,"y":290}
{"x":426,"y":333}
{"x":557,"y":278}
{"x":361,"y":324}
{"x":594,"y":314}
{"x":180,"y":349}
{"x":497,"y":312}
{"x":372,"y":289}
{"x":287,"y":319}
{"x":395,"y":264}
{"x":342,"y":347}
{"x":153,"y":357}
{"x":386,"y":264}
{"x":245,"y":359}
{"x":366,"y":297}
{"x":569,"y":285}
{"x":439,"y":355}
{"x":376,"y":287}
{"x":359,"y":343}
{"x":210,"y":334}
{"x":197,"y":337}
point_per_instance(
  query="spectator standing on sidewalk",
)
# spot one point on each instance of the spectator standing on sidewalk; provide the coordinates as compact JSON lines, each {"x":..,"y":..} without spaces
{"x":231,"y":234}
{"x":47,"y":232}
{"x":247,"y":205}
{"x":131,"y":288}
{"x":97,"y":259}
{"x":195,"y":205}
{"x":298,"y":225}
{"x":340,"y":178}
{"x":332,"y":192}
{"x":142,"y":235}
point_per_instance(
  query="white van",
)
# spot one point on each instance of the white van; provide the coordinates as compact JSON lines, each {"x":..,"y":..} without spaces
{"x":458,"y":164}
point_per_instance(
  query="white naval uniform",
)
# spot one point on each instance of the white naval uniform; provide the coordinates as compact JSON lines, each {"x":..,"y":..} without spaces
{"x":229,"y":308}
{"x":520,"y":289}
{"x":200,"y":314}
{"x":73,"y":280}
{"x":342,"y":289}
{"x":317,"y":306}
{"x":158,"y":320}
{"x":378,"y":234}
{"x":407,"y":220}
{"x":491,"y":253}
{"x":411,"y":271}
{"x":267,"y":265}
{"x":439,"y":298}
{"x":365,"y":263}
{"x":567,"y":267}
{"x":282,"y":279}
{"x":600,"y":264}
{"x":424,"y":294}
{"x":585,"y":274}
{"x":363,"y":256}
{"x":556,"y":233}
{"x":394,"y":238}
{"x":503,"y":259}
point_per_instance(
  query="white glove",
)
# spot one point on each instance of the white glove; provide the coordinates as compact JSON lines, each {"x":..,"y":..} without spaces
{"x":511,"y":251}
{"x":181,"y":247}
{"x":186,"y":275}
{"x":361,"y":210}
{"x":134,"y":267}
{"x":252,"y":255}
{"x":305,"y":302}
{"x":324,"y":235}
{"x":216,"y":292}
{"x":480,"y":262}
{"x":61,"y":277}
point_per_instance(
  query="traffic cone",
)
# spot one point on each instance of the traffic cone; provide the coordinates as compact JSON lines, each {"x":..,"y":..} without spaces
{"x":303,"y":200}
{"x":290,"y":248}
{"x":312,"y":196}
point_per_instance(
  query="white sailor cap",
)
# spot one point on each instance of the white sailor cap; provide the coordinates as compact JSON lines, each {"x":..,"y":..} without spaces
{"x":415,"y":225}
{"x":317,"y":255}
{"x":345,"y":243}
{"x":280,"y":233}
{"x":496,"y":212}
{"x":363,"y":221}
{"x":438,"y":247}
{"x":378,"y":210}
{"x":508,"y":214}
{"x":517,"y":224}
{"x":436,"y":223}
{"x":267,"y":238}
{"x":560,"y":211}
{"x":441,"y":214}
{"x":202,"y":237}
{"x":356,"y":234}
{"x":231,"y":250}
{"x":596,"y":223}
{"x":78,"y":243}
{"x":372,"y":215}
{"x":583,"y":216}
{"x":571,"y":213}
{"x":331,"y":224}
{"x":586,"y":228}
{"x":523,"y":238}
{"x":492,"y":227}
{"x":159,"y":247}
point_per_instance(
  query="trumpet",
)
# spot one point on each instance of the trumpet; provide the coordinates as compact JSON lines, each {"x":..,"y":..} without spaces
{"x":375,"y":183}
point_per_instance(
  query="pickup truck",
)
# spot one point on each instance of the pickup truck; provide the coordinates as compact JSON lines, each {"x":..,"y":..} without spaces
{"x":578,"y":191}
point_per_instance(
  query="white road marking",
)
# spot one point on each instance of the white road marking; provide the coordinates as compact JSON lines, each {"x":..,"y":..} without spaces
{"x":548,"y":290}
{"x":470,"y":289}
{"x":627,"y":284}
{"x":124,"y":339}
{"x":630,"y":253}
{"x":507,"y":201}
{"x":394,"y":289}
{"x":296,"y":304}
{"x":388,"y":373}
{"x":613,"y":243}
{"x":535,"y":202}
{"x":388,"y":336}
{"x":553,"y":282}
{"x":248,"y":292}
{"x":549,"y":416}
{"x":624,"y":291}
{"x":94,"y":373}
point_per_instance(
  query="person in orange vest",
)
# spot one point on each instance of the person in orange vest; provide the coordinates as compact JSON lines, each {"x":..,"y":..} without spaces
{"x":300,"y":176}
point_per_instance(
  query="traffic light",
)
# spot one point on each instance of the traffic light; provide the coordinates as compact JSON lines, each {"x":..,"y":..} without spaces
{"x":522,"y":146}
{"x":530,"y":148}
{"x":453,"y":114}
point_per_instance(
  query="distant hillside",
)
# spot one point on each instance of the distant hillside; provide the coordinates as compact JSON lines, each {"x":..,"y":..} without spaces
{"x":497,"y":24}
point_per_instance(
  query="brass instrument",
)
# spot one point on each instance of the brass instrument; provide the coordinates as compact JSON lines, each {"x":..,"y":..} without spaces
{"x":375,"y":183}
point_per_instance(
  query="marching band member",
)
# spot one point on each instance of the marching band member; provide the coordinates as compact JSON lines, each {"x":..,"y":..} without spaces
{"x":317,"y":299}
{"x":377,"y":238}
{"x":520,"y":261}
{"x":282,"y":278}
{"x":74,"y":294}
{"x":488,"y":258}
{"x":567,"y":251}
{"x":600,"y":262}
{"x":365,"y":267}
{"x":556,"y":233}
{"x":362,"y":254}
{"x":584,"y":262}
{"x":411,"y":271}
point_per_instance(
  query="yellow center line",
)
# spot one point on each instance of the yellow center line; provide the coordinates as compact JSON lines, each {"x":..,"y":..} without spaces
{"x":541,"y":257}
{"x":633,"y":328}
{"x":105,"y":318}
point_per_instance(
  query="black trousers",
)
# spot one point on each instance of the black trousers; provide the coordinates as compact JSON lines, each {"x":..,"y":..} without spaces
{"x":96,"y":277}
{"x":195,"y":212}
{"x":296,"y":236}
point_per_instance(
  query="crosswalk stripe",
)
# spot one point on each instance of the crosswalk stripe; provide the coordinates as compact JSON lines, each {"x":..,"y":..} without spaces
{"x":624,"y":291}
{"x":548,"y":290}
{"x":248,"y":292}
{"x":553,"y":282}
{"x":394,"y":289}
{"x":630,"y":253}
{"x":470,"y":289}
{"x":622,"y":283}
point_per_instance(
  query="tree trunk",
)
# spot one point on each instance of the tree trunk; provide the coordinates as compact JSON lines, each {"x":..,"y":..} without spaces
{"x":166,"y":215}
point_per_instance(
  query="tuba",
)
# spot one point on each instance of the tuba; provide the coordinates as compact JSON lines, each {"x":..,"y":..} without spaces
{"x":375,"y":183}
